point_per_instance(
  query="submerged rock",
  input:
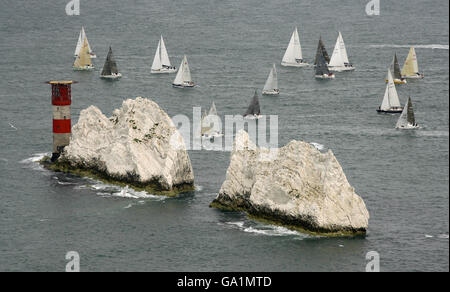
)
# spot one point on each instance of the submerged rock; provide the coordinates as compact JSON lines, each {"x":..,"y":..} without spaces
{"x":139,"y":145}
{"x":300,"y":188}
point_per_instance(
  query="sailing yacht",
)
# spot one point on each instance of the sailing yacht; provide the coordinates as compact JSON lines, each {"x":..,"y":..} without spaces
{"x":321,"y":50}
{"x":110,"y":70}
{"x":293,"y":56}
{"x":253,"y":111}
{"x":339,"y":60}
{"x":271,"y":86}
{"x":208,"y":131}
{"x":83,"y":61}
{"x":161,"y":62}
{"x":322,"y":71}
{"x":82,"y":36}
{"x":411,"y":67}
{"x":183,"y":78}
{"x":391,"y":102}
{"x":407,"y":119}
{"x":395,"y":67}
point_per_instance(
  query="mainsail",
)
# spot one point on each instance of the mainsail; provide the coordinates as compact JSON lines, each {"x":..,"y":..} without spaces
{"x":390,"y":98}
{"x":157,"y":59}
{"x":407,"y":116}
{"x":253,"y":108}
{"x":110,"y":66}
{"x":411,"y":67}
{"x":81,"y":39}
{"x":184,"y":74}
{"x":272,"y":80}
{"x":321,"y":50}
{"x":339,"y":57}
{"x":293,"y":52}
{"x":164,"y":55}
{"x":83,"y":59}
{"x":321,"y":66}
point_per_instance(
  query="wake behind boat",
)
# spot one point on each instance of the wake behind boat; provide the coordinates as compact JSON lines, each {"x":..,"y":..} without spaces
{"x":339,"y":60}
{"x":83,"y":61}
{"x":410,"y":69}
{"x":82,"y":36}
{"x":293,"y":57}
{"x":271,"y":86}
{"x":110,"y":70}
{"x":183,"y":78}
{"x":391,"y":102}
{"x":161,"y":61}
{"x":395,"y":67}
{"x":254,"y":110}
{"x":407,"y":119}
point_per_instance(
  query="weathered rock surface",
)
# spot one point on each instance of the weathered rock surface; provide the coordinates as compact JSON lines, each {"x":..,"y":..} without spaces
{"x":301,"y":188}
{"x":139,"y":145}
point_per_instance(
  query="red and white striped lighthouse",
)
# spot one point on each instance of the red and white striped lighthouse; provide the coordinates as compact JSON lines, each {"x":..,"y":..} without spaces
{"x":61,"y":101}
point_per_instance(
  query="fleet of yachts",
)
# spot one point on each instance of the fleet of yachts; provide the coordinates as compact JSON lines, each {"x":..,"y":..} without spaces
{"x":324,"y":66}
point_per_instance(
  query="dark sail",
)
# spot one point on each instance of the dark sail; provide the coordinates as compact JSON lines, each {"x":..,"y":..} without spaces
{"x":321,"y":66}
{"x":254,"y":108}
{"x":321,"y":47}
{"x":110,"y":66}
{"x":397,"y":71}
{"x":410,"y":116}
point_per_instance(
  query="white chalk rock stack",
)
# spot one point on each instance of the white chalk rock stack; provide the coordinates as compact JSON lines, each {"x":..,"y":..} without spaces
{"x":139,"y":143}
{"x":300,"y":187}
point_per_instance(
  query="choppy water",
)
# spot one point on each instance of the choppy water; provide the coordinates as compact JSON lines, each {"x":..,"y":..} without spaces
{"x":402,"y":176}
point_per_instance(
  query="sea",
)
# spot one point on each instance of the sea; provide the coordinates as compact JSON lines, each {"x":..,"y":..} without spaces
{"x":403,"y":176}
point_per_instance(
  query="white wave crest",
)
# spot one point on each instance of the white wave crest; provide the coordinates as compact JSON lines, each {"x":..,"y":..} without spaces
{"x":269,"y":230}
{"x":318,"y":146}
{"x":431,"y":46}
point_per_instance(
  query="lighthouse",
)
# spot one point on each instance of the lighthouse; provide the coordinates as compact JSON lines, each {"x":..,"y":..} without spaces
{"x":61,"y":101}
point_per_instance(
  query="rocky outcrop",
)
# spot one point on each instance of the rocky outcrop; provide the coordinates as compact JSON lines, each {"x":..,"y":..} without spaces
{"x":138,"y":145}
{"x":299,"y":188}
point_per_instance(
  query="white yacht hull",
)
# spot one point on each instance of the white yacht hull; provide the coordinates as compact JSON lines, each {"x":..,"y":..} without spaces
{"x":398,"y":110}
{"x":295,"y":64}
{"x":408,"y":127}
{"x":183,"y":85}
{"x":253,"y":117}
{"x":85,"y":68}
{"x":418,"y":76}
{"x":341,"y":69}
{"x":326,"y":76}
{"x":271,"y":92}
{"x":164,"y":71}
{"x":111,"y":77}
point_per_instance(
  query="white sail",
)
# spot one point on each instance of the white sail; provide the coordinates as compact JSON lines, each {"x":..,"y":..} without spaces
{"x":213,"y":110}
{"x":294,"y":49}
{"x":390,"y":99}
{"x":186,"y":71}
{"x":157,"y":59}
{"x":179,"y":78}
{"x":343,"y":50}
{"x":394,"y":101}
{"x":164,"y":55}
{"x":79,"y":43}
{"x":403,"y":119}
{"x":271,"y":82}
{"x":336,"y":59}
{"x":411,"y":66}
